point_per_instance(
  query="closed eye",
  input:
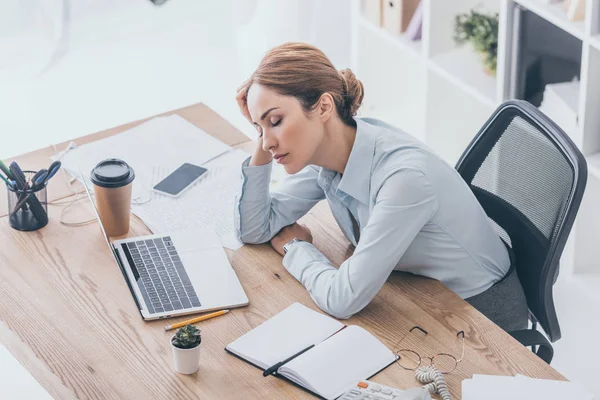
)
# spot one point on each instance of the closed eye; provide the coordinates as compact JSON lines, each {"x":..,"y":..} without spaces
{"x":258,"y":129}
{"x":276,"y":123}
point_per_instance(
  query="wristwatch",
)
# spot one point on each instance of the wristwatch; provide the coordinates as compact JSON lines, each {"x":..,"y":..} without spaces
{"x":288,"y":246}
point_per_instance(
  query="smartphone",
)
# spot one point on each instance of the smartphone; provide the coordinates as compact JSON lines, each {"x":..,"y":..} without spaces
{"x":180,"y":180}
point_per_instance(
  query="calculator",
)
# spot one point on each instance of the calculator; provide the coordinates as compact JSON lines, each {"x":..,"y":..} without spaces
{"x":366,"y":390}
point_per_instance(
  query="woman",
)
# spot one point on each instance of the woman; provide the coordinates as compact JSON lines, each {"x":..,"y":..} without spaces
{"x":397,"y":202}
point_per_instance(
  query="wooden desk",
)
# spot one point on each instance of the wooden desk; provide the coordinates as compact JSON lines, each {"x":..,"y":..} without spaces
{"x":67,"y":315}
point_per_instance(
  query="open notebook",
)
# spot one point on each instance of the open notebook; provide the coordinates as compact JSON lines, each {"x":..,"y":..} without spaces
{"x":341,"y":355}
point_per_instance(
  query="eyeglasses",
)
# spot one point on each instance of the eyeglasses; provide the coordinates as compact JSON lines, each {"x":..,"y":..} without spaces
{"x":411,"y":360}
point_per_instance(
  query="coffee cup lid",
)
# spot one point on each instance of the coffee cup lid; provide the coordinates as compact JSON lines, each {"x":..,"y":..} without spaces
{"x":112,"y":173}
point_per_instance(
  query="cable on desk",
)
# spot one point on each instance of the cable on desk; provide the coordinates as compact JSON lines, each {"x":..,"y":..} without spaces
{"x":69,"y":182}
{"x":434,"y":381}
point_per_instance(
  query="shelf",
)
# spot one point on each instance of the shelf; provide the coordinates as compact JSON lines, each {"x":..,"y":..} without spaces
{"x":595,"y":41}
{"x":412,"y":47}
{"x":555,"y":14}
{"x":465,"y":69}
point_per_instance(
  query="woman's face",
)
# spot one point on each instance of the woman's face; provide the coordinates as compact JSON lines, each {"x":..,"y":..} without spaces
{"x":287,"y":132}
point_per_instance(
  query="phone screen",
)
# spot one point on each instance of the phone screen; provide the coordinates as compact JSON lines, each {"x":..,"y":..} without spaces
{"x":179,"y":179}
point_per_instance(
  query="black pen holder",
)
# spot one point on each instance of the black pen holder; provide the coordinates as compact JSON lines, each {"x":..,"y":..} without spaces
{"x":28,"y":208}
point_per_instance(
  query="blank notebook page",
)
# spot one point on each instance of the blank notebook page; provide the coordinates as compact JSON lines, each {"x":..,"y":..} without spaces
{"x":284,"y":335}
{"x":332,"y":366}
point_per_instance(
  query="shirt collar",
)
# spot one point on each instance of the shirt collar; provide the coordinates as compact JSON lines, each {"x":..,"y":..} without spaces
{"x":356,"y":180}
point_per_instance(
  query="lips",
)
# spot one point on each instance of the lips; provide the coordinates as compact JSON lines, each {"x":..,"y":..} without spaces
{"x":278,"y":157}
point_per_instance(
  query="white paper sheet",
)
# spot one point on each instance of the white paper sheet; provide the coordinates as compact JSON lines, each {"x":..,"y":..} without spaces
{"x":209,"y":203}
{"x":160,"y":144}
{"x":520,"y":387}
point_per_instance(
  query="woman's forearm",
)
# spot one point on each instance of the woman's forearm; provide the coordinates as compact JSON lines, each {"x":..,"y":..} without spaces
{"x":253,"y":204}
{"x":262,"y":213}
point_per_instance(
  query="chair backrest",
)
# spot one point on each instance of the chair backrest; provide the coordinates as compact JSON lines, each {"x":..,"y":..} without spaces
{"x":529,"y":178}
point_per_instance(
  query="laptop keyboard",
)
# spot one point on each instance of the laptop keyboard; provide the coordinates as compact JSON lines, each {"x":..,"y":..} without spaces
{"x":162,"y":275}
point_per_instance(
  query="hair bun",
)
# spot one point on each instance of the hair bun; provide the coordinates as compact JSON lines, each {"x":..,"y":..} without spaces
{"x":353,"y":91}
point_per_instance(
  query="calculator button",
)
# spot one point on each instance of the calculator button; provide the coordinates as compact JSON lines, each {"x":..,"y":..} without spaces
{"x":362,"y":385}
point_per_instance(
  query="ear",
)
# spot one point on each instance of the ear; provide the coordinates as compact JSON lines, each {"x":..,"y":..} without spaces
{"x":326,"y":107}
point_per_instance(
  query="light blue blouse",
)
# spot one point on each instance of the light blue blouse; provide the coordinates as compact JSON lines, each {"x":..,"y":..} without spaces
{"x":414,"y":211}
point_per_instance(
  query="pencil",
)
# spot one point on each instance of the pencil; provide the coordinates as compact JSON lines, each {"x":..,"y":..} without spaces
{"x":194,"y":320}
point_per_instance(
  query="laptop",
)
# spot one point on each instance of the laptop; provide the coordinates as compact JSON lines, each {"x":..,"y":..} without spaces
{"x":170,"y":275}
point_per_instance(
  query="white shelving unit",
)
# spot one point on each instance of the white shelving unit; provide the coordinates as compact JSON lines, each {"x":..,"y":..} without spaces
{"x":554,"y":14}
{"x":440,"y":93}
{"x":462,"y":67}
{"x":408,"y":99}
{"x":595,"y":41}
{"x":410,"y":47}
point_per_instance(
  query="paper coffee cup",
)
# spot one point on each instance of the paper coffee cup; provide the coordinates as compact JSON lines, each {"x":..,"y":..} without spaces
{"x":113,"y":179}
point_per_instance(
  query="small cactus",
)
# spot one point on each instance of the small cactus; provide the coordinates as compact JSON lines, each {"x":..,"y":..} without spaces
{"x":187,"y":337}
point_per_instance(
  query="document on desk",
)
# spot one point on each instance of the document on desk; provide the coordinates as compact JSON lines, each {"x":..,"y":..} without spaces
{"x":160,"y":144}
{"x":210,"y":202}
{"x":520,"y":387}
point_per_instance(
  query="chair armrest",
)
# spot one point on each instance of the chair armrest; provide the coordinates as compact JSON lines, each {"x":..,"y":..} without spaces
{"x":530,"y":337}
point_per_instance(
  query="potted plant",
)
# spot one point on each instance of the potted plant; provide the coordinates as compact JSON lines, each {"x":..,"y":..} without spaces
{"x":186,"y":349}
{"x":481,"y":30}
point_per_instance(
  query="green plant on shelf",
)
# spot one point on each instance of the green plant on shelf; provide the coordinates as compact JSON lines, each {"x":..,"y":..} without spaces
{"x":481,"y":30}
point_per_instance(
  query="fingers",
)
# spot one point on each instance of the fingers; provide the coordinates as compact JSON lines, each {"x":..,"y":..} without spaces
{"x":243,"y":104}
{"x":241,"y":93}
{"x":306,"y":228}
{"x":244,"y":85}
{"x":240,"y":97}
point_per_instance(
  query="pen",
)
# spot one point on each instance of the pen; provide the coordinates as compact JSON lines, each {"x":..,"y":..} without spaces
{"x":8,"y":183}
{"x":6,"y":170}
{"x":275,"y":367}
{"x":34,"y":204}
{"x":19,"y":177}
{"x":20,"y":183}
{"x":194,"y":320}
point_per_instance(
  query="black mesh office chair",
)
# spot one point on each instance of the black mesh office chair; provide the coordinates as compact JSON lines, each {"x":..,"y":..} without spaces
{"x":529,"y":177}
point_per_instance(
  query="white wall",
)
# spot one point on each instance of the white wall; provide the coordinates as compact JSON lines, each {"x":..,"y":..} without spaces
{"x":263,"y":24}
{"x":128,"y":59}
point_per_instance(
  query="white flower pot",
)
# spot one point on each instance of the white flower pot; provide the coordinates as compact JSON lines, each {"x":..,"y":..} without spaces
{"x":186,"y":361}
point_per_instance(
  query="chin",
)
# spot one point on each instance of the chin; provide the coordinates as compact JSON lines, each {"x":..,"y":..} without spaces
{"x":292,"y":169}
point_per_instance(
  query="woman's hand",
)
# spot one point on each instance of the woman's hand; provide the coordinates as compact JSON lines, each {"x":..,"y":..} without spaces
{"x":300,"y":232}
{"x":260,"y":156}
{"x":242,"y":101}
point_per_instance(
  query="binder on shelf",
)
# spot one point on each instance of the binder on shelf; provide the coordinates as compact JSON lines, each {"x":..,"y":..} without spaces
{"x":415,"y":26}
{"x":397,"y":14}
{"x":372,"y":10}
{"x":313,"y":351}
{"x":575,"y":9}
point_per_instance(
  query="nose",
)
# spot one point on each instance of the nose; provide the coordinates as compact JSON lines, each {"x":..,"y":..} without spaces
{"x":269,"y":141}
